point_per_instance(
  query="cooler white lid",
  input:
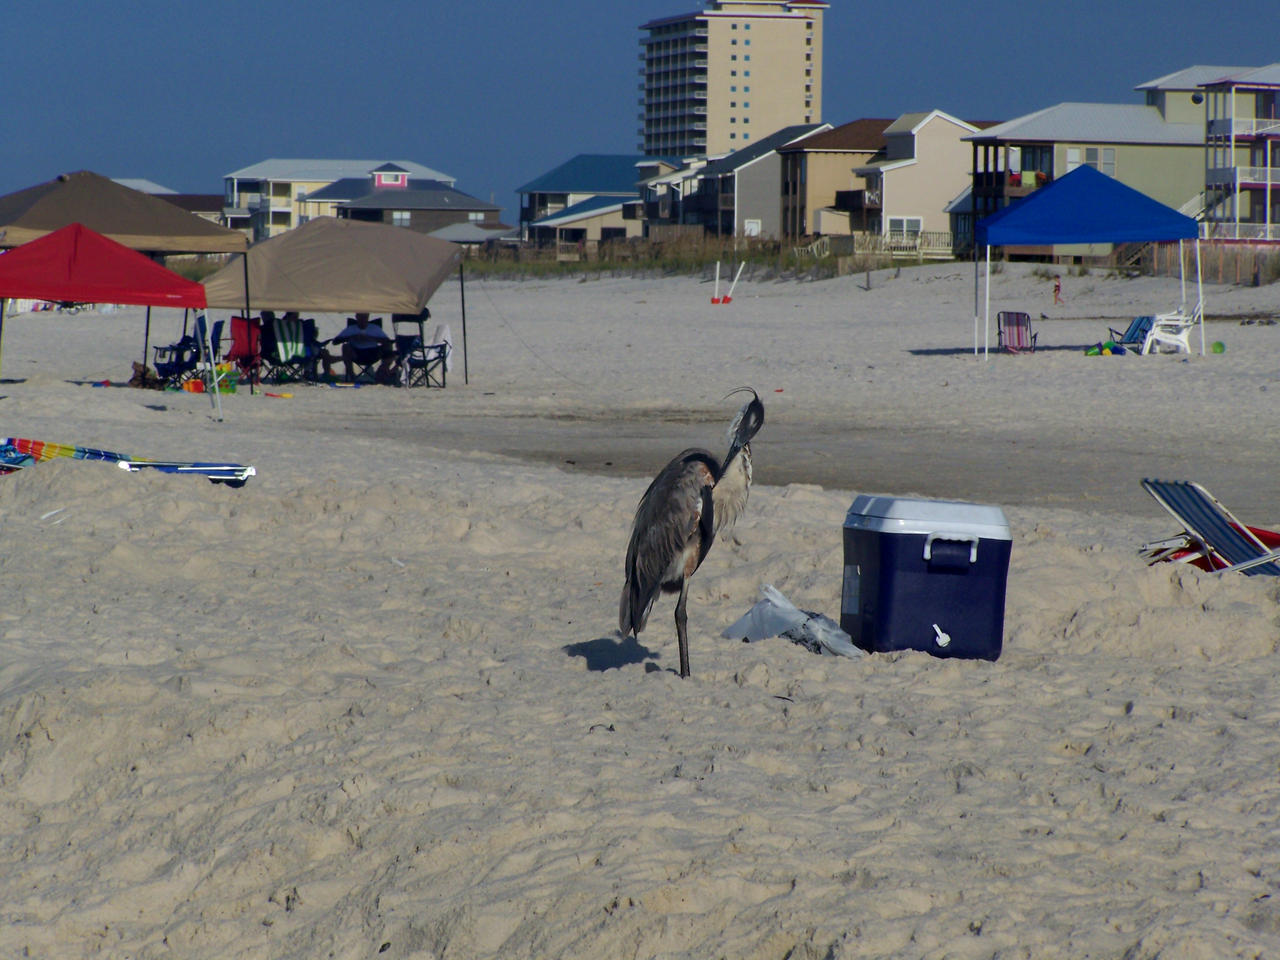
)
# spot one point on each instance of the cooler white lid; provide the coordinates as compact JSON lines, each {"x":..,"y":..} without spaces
{"x":907,"y":515}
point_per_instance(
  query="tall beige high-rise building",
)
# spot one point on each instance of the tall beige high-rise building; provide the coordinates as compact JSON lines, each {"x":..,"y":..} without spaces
{"x":718,"y":80}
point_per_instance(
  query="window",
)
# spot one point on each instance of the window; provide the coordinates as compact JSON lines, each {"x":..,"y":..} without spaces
{"x":746,"y":104}
{"x":747,"y":57}
{"x":747,"y":42}
{"x":905,"y":228}
{"x":732,"y":104}
{"x":399,"y":218}
{"x":746,"y":89}
{"x":733,"y":42}
{"x":733,"y":56}
{"x":1102,"y":159}
{"x":733,"y":89}
{"x":475,"y":216}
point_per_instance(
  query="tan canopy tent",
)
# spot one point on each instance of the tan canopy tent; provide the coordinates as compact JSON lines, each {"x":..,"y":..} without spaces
{"x":131,"y":218}
{"x":331,"y":266}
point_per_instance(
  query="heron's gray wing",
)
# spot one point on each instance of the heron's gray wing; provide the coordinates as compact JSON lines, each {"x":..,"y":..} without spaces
{"x":675,"y":509}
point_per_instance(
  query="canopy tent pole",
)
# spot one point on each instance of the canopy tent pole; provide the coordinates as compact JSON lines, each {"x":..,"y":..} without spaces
{"x":1200,"y":295}
{"x":976,"y":269}
{"x":1182,"y":277}
{"x":462,"y":290}
{"x":146,"y":338}
{"x":253,"y":375}
{"x":4,"y":302}
{"x":986,"y":315}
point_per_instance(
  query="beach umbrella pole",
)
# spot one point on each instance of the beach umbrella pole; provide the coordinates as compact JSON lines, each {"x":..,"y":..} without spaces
{"x":4,"y":302}
{"x":146,"y":339}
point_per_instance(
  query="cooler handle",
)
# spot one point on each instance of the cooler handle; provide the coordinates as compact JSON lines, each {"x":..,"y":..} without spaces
{"x":951,"y":538}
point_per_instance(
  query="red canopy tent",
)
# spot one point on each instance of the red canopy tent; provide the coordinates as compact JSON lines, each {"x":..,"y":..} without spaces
{"x":75,"y":263}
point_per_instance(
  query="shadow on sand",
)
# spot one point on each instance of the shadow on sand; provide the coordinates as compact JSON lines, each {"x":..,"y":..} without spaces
{"x":608,"y":653}
{"x":957,"y":351}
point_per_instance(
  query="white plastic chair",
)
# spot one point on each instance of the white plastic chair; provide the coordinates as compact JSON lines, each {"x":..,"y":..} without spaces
{"x":1171,"y":329}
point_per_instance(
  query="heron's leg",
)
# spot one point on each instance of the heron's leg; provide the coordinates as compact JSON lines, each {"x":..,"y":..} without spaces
{"x":682,"y":628}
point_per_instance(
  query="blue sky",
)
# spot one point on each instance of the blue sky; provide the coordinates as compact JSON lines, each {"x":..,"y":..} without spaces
{"x":496,"y":92}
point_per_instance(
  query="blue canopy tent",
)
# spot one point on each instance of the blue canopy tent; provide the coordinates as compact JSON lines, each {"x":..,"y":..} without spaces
{"x":1084,"y":206}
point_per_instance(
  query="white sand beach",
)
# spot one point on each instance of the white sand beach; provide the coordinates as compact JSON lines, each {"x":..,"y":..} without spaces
{"x":374,"y":704}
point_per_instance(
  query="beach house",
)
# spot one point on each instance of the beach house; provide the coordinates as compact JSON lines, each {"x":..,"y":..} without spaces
{"x":739,"y":195}
{"x":583,"y":199}
{"x":269,"y":197}
{"x":821,"y":194}
{"x":1242,"y":140}
{"x":911,"y":182}
{"x":1156,"y":147}
{"x":389,"y":195}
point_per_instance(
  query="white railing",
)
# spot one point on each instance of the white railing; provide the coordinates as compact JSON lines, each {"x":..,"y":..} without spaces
{"x":1245,"y":127}
{"x":1229,"y":176}
{"x":1213,"y":230}
{"x":928,"y":244}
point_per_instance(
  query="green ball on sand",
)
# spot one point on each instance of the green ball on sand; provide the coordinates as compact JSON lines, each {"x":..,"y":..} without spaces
{"x":1218,"y":347}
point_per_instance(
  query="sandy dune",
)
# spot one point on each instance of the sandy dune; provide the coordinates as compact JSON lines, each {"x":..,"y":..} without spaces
{"x":374,"y":704}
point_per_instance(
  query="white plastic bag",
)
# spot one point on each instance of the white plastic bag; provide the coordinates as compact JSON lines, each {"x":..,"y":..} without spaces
{"x":776,"y":616}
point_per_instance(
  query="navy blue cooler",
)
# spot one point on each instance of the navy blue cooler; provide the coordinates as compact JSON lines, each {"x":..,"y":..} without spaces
{"x":925,"y":575}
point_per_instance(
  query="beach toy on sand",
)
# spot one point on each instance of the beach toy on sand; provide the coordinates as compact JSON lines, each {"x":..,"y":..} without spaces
{"x":1218,"y":347}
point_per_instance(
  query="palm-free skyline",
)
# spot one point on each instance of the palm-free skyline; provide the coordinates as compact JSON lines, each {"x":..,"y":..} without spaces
{"x":496,"y":92}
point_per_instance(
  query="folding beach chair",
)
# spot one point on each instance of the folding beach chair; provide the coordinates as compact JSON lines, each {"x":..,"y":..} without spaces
{"x":286,"y":353}
{"x":1013,"y":332}
{"x":422,"y":364}
{"x":246,"y":347}
{"x":176,"y":362}
{"x":1212,"y":537}
{"x":1135,"y":335}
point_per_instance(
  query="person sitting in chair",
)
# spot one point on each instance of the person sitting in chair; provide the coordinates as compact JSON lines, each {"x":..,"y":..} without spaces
{"x":364,"y":343}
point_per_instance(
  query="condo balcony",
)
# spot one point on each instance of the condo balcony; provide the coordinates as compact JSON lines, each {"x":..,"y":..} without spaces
{"x":856,"y":201}
{"x":1245,"y":127}
{"x":1243,"y":176}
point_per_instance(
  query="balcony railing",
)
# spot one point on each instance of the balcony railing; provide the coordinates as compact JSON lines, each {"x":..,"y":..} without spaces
{"x":1267,"y":232}
{"x":855,"y":201}
{"x":1245,"y":127}
{"x":1230,"y":176}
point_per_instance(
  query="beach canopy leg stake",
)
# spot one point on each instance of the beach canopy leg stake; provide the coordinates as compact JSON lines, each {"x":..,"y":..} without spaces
{"x":728,"y":297}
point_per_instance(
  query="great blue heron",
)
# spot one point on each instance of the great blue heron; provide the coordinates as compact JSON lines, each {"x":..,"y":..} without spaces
{"x":692,"y":499}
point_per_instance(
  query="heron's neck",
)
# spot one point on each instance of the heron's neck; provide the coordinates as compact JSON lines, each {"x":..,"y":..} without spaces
{"x":729,"y":495}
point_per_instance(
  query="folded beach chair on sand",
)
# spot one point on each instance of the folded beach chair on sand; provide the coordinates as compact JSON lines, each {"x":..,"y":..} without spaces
{"x":18,"y":453}
{"x":1136,"y":334}
{"x":1212,"y":538}
{"x":1013,"y":332}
